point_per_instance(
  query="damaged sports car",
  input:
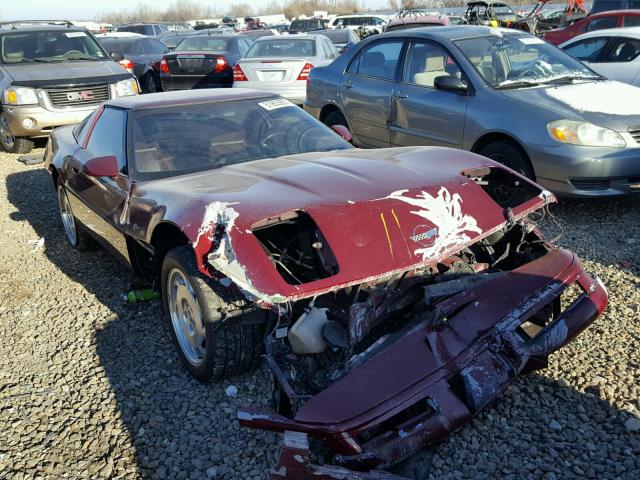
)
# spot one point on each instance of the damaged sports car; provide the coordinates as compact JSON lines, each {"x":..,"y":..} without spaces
{"x":393,"y":293}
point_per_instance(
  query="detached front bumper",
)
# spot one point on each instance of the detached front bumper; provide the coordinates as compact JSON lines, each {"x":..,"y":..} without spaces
{"x":447,"y":369}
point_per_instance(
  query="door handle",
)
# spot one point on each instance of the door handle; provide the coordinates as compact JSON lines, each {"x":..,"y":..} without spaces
{"x":348,"y":84}
{"x":400,"y":94}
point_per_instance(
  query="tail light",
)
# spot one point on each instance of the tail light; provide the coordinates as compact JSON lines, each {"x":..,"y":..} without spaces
{"x":304,"y":73}
{"x":221,"y":64}
{"x":164,"y":66}
{"x":238,"y":74}
{"x":126,"y":63}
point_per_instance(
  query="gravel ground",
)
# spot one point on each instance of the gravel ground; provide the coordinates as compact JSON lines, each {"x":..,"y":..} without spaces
{"x":90,"y":387}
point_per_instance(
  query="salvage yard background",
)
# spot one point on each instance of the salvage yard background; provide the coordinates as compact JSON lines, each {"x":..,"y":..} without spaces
{"x":91,"y":387}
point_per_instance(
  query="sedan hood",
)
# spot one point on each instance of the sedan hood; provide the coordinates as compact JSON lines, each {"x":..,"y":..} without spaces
{"x":608,"y":104}
{"x":66,"y":73}
{"x":400,"y":207}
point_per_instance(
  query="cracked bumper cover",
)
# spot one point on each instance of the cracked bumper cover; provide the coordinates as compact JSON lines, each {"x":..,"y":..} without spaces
{"x":433,"y":380}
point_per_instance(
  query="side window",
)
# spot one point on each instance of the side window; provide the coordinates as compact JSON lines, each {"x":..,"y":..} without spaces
{"x":587,"y":50}
{"x":632,"y":20}
{"x":108,"y":136}
{"x":623,"y":50}
{"x":158,"y":47}
{"x":242,"y":46}
{"x":427,"y":61}
{"x":601,"y":23}
{"x":378,"y":60}
{"x":80,"y":130}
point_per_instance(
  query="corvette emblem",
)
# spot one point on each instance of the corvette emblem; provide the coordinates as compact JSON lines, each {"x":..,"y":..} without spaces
{"x":424,"y":235}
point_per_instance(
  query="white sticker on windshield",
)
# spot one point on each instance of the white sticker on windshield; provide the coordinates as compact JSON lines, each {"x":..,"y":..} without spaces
{"x":75,"y":34}
{"x":531,"y":40}
{"x":274,"y":104}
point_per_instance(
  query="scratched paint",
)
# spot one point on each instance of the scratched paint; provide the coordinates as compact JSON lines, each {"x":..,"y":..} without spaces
{"x":444,"y":211}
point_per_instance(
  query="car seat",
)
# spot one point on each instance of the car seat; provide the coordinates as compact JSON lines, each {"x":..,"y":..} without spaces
{"x":433,"y":68}
{"x":372,"y":63}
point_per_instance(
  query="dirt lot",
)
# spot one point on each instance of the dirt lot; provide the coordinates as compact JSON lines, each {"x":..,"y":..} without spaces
{"x":90,"y":386}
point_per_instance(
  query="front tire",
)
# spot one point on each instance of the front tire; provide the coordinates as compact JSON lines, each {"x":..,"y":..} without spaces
{"x":217,"y":333}
{"x":510,"y":156}
{"x":10,"y":143}
{"x":76,"y":236}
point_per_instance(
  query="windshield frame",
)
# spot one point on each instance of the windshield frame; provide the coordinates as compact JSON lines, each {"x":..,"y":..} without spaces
{"x":86,"y":33}
{"x":583,"y":69}
{"x":142,"y":176}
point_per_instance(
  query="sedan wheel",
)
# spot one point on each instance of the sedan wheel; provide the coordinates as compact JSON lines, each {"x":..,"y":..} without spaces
{"x":187,"y":317}
{"x":66,"y":215}
{"x":150,"y":84}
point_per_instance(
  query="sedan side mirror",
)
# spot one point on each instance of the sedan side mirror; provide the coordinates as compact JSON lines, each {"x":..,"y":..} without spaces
{"x":102,"y":167}
{"x":449,"y":83}
{"x":116,"y":56}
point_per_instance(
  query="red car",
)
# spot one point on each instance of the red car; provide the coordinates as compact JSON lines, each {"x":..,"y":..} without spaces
{"x":598,"y":21}
{"x":394,"y":293}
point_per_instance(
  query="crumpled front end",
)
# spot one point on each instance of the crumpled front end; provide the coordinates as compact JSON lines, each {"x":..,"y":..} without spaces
{"x":451,"y":362}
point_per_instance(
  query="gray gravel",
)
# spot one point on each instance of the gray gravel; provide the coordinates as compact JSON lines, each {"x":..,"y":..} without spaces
{"x":90,"y":387}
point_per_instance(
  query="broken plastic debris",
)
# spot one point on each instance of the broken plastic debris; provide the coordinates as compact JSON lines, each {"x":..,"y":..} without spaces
{"x":231,"y":391}
{"x":142,"y":295}
{"x":37,"y":244}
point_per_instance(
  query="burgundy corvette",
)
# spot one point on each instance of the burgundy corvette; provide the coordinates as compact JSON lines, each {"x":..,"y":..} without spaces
{"x":394,"y":293}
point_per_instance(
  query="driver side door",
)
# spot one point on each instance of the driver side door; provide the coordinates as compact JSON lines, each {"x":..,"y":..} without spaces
{"x":100,"y":203}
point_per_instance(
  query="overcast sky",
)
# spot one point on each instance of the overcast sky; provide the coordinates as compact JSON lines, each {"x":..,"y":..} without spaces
{"x":89,"y":9}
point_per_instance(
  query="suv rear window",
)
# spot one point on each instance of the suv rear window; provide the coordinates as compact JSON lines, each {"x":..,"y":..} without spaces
{"x":54,"y":46}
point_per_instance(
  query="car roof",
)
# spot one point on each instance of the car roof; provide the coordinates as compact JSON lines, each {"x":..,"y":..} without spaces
{"x":304,"y":36}
{"x":454,"y":32}
{"x":186,"y":97}
{"x":39,"y":27}
{"x":632,"y":32}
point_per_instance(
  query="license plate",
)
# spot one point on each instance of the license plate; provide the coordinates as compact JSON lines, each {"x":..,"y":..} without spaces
{"x":273,"y":76}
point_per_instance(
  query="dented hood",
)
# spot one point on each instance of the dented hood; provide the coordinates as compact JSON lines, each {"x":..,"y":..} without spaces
{"x":381,"y":211}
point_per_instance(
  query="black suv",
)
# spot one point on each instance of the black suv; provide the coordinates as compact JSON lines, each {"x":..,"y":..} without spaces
{"x":52,"y":74}
{"x":149,"y":29}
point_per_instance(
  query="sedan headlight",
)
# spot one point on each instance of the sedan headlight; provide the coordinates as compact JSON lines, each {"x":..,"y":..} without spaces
{"x":20,"y":96}
{"x":125,"y":88}
{"x":584,"y":133}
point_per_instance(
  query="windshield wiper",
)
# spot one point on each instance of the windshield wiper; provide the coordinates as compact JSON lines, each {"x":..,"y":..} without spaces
{"x":35,"y":60}
{"x":508,"y":84}
{"x":572,"y":78}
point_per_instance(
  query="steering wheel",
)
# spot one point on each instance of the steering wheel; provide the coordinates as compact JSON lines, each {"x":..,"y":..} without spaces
{"x":270,"y":144}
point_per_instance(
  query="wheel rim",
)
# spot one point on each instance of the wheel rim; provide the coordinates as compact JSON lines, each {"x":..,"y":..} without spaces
{"x":66,"y":214}
{"x":8,"y":140}
{"x":186,"y":317}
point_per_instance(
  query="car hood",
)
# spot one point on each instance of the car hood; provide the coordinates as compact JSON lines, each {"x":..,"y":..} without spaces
{"x":66,"y":73}
{"x":608,"y":103}
{"x":375,"y":209}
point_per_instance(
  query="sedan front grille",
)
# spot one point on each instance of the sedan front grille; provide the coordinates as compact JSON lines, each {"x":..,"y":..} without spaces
{"x":85,"y":95}
{"x":590,"y":184}
{"x":635,"y":133}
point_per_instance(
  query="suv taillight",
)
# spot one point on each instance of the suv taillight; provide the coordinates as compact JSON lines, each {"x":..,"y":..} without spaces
{"x":238,"y":74}
{"x":304,"y":73}
{"x":164,"y":66}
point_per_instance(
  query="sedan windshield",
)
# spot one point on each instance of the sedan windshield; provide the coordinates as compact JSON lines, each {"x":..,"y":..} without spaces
{"x":282,"y":48}
{"x":506,"y":60}
{"x":190,"y":138}
{"x":203,"y":44}
{"x":53,"y":46}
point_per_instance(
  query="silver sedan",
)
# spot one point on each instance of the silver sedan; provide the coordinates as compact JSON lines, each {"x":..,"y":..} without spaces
{"x":282,"y":64}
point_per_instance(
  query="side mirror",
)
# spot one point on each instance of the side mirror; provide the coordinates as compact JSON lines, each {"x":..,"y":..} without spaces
{"x":342,"y":131}
{"x":116,"y":56}
{"x":102,"y":167}
{"x":449,"y":83}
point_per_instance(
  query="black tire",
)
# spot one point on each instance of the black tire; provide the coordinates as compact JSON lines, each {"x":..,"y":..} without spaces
{"x":75,"y":234}
{"x":11,"y":144}
{"x":149,"y":83}
{"x":335,"y":118}
{"x":234,"y":327}
{"x":511,"y":156}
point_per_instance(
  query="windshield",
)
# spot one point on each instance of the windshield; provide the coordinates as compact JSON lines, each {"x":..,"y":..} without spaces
{"x":191,"y":138}
{"x":56,"y":46}
{"x":517,"y":61}
{"x":282,"y":48}
{"x":203,"y":44}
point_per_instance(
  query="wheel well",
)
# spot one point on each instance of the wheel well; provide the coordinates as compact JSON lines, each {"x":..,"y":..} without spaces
{"x":165,"y":237}
{"x":327,"y":109}
{"x":499,"y":137}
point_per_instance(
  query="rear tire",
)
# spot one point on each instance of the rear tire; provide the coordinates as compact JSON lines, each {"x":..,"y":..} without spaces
{"x":218,"y":334}
{"x":149,"y":83}
{"x":510,"y":156}
{"x":11,"y":144}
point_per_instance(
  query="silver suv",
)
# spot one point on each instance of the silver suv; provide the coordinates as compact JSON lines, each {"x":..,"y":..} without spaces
{"x":52,"y":74}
